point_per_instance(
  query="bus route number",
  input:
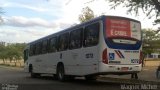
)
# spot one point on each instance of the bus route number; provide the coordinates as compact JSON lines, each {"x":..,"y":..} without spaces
{"x":89,"y":55}
{"x":134,"y":60}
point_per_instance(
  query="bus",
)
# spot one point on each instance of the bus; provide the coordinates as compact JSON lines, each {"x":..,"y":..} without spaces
{"x":101,"y":46}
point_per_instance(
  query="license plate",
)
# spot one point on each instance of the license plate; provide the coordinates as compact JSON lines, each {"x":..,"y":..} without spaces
{"x":124,"y":68}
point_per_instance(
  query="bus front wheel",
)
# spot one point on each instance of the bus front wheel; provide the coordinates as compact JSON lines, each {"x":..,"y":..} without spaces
{"x":33,"y":75}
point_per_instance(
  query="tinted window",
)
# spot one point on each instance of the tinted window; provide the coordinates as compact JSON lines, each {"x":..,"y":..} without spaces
{"x":38,"y":48}
{"x":63,"y":42}
{"x":91,"y":34}
{"x":76,"y":39}
{"x":44,"y":46}
{"x":32,"y":49}
{"x":53,"y":44}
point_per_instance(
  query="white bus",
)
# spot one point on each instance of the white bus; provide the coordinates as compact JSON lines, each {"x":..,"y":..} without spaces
{"x":104,"y":45}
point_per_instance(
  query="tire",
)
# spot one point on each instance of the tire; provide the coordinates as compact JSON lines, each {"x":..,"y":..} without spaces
{"x":134,"y":76}
{"x":35,"y":75}
{"x":30,"y":68}
{"x":61,"y":73}
{"x":90,"y":77}
{"x":32,"y":74}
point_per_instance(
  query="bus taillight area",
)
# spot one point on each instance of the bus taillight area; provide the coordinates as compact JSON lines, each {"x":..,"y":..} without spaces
{"x":119,"y":61}
{"x":119,"y":69}
{"x":104,"y":56}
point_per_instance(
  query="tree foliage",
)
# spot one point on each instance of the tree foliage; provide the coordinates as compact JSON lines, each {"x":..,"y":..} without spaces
{"x":151,"y":41}
{"x":147,"y":6}
{"x":12,"y":52}
{"x":86,"y":15}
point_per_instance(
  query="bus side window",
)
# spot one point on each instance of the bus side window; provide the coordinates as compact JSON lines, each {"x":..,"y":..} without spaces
{"x":53,"y":44}
{"x":63,"y":42}
{"x":32,"y":49}
{"x":76,"y":39}
{"x":38,"y":48}
{"x":91,"y":35}
{"x":44,"y":46}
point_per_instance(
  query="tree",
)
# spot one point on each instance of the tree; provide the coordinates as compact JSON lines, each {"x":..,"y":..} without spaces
{"x":13,"y":52}
{"x":86,"y":15}
{"x":3,"y":52}
{"x":147,"y":6}
{"x":151,"y":41}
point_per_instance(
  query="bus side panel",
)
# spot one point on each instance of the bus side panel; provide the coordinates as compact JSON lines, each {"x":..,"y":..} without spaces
{"x":49,"y":63}
{"x":82,"y":61}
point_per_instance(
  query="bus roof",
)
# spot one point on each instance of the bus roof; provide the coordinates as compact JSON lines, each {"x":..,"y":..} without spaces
{"x":103,"y":17}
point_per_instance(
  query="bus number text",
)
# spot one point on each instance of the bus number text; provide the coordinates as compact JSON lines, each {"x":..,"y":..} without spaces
{"x":89,"y":55}
{"x":134,"y":61}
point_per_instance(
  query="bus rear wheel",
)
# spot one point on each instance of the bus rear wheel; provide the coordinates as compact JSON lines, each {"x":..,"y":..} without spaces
{"x":61,"y":73}
{"x":134,"y":76}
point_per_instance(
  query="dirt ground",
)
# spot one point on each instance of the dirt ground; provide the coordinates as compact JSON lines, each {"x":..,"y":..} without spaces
{"x":153,"y":63}
{"x":19,"y":63}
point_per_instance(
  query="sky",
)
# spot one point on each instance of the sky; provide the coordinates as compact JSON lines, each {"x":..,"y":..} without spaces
{"x":28,"y":20}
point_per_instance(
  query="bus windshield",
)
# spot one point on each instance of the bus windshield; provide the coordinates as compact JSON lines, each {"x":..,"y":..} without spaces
{"x":123,"y":33}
